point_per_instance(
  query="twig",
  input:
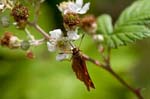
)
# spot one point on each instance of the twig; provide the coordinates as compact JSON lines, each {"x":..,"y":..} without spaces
{"x":30,"y":36}
{"x":114,"y":74}
{"x":38,"y":28}
{"x":135,"y":91}
{"x":37,"y":42}
{"x":37,"y":10}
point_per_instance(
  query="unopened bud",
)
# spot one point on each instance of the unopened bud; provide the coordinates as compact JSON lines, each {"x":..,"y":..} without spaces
{"x":10,"y":40}
{"x":4,"y":21}
{"x":25,"y":45}
{"x":98,"y":37}
{"x":101,"y":48}
{"x":30,"y":55}
{"x":88,"y":24}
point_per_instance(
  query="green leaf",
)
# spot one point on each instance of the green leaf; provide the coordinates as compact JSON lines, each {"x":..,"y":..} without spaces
{"x":133,"y":24}
{"x":105,"y":24}
{"x":127,"y":34}
{"x":138,"y":12}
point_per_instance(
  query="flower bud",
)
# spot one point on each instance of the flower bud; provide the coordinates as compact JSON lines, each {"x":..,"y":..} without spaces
{"x":4,"y":21}
{"x":88,"y":24}
{"x":30,"y":55}
{"x":10,"y":40}
{"x":98,"y":37}
{"x":25,"y":45}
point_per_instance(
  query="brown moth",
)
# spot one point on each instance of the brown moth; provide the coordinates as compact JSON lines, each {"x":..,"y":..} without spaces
{"x":80,"y":69}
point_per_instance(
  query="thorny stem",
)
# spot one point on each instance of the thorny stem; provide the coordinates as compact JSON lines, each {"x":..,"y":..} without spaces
{"x":108,"y":68}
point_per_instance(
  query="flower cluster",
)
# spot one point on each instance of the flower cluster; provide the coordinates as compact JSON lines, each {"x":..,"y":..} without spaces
{"x":70,"y":11}
{"x":57,"y":40}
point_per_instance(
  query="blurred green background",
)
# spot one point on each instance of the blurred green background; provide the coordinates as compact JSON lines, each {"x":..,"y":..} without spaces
{"x":45,"y":78}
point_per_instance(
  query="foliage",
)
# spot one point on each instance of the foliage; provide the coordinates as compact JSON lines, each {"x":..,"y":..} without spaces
{"x":132,"y":25}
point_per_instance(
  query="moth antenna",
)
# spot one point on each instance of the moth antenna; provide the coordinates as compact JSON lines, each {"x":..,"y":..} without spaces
{"x":72,"y":45}
{"x":81,"y":39}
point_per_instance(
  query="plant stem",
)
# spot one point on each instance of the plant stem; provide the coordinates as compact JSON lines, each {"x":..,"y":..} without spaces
{"x":38,"y":28}
{"x":30,"y":36}
{"x":106,"y":66}
{"x":114,"y":74}
{"x":123,"y":82}
{"x":37,"y":10}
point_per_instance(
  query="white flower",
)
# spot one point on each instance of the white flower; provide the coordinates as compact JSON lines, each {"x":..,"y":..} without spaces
{"x":72,"y":35}
{"x":51,"y":47}
{"x":55,"y":35}
{"x":74,"y":7}
{"x":59,"y":42}
{"x":62,"y":56}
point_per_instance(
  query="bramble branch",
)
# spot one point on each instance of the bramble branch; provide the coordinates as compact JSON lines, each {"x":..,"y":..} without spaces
{"x":108,"y":68}
{"x":62,"y":41}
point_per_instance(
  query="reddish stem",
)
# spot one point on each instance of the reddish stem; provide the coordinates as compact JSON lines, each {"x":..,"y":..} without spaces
{"x":108,"y":68}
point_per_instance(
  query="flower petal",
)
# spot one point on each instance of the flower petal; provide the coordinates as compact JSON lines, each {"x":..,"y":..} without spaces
{"x":1,"y":6}
{"x":79,"y":3}
{"x":72,"y":35}
{"x":59,"y":8}
{"x":73,"y":8}
{"x":51,"y":47}
{"x":63,"y":6}
{"x":62,"y":56}
{"x":56,"y":34}
{"x":84,"y":9}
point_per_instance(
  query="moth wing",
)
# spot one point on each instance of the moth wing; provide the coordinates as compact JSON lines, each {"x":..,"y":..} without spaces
{"x":80,"y":69}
